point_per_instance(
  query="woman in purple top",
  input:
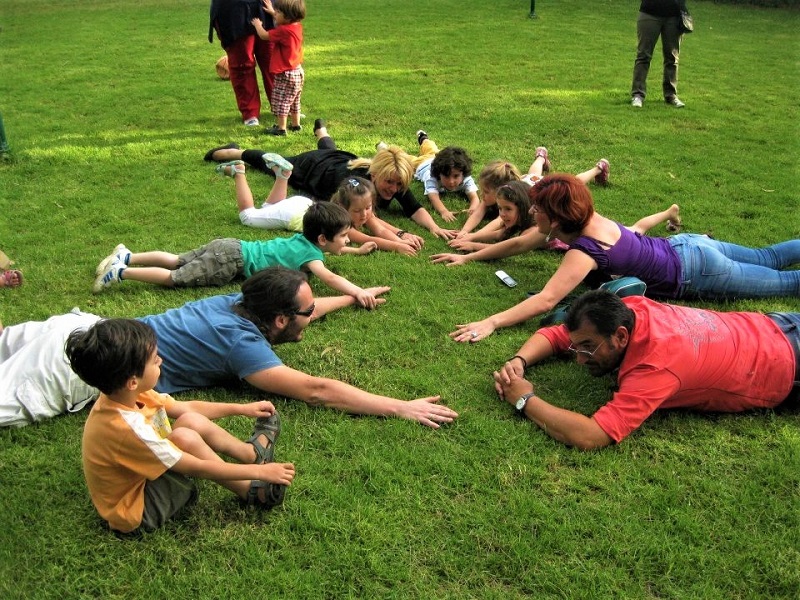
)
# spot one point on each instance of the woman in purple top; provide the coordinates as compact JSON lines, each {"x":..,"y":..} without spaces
{"x":682,"y":266}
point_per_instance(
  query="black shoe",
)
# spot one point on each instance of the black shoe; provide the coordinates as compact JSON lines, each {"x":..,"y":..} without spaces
{"x":318,"y":124}
{"x":210,"y":153}
{"x":421,"y":137}
{"x":274,"y":130}
{"x":294,"y":127}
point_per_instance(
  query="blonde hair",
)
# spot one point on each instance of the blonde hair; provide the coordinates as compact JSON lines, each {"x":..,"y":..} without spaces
{"x":497,"y":173}
{"x":388,"y":163}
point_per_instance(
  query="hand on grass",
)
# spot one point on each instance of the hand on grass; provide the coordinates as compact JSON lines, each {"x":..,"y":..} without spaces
{"x":448,"y":216}
{"x":445,"y":234}
{"x":463,"y":245}
{"x":367,"y":247}
{"x":427,"y":412}
{"x":378,"y":291}
{"x":473,"y":332}
{"x":450,"y":260}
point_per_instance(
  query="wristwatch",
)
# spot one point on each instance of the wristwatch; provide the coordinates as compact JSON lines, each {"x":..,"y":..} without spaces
{"x":523,"y":400}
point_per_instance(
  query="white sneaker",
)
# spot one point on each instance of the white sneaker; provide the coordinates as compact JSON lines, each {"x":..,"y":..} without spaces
{"x":637,"y":101}
{"x":252,"y":122}
{"x":120,"y":254}
{"x":676,"y":102}
{"x":381,"y":146}
{"x":111,"y":276}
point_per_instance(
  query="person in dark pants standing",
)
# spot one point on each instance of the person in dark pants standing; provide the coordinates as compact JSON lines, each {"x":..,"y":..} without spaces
{"x":658,"y":18}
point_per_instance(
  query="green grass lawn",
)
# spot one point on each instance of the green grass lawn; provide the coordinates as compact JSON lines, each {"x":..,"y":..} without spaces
{"x":109,"y":108}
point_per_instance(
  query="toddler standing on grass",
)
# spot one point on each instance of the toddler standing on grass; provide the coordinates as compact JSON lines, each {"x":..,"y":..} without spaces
{"x":325,"y":228}
{"x":286,"y":60}
{"x":136,"y":463}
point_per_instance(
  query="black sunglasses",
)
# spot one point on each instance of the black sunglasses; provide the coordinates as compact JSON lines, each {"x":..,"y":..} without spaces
{"x":307,"y":312}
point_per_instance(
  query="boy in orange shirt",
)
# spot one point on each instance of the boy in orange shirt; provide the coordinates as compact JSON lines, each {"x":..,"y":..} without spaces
{"x":136,"y":464}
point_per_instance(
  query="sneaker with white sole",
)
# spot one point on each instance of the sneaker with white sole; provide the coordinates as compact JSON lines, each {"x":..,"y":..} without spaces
{"x":637,"y":101}
{"x":110,"y":277}
{"x":675,"y":101}
{"x":252,"y":122}
{"x":120,"y":254}
{"x":421,"y":136}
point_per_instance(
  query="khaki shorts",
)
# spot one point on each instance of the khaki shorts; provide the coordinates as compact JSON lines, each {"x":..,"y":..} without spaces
{"x":165,"y":498}
{"x":217,"y":263}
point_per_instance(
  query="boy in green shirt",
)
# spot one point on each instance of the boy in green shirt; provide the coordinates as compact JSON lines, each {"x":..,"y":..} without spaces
{"x":325,"y":229}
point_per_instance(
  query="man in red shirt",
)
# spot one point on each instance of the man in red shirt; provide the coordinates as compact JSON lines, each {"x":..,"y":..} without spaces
{"x":665,"y":356}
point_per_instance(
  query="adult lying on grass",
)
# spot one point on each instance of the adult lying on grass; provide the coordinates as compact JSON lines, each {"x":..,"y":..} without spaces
{"x":665,"y":357}
{"x":683,"y":266}
{"x":317,"y":173}
{"x":137,"y":465}
{"x":204,"y":343}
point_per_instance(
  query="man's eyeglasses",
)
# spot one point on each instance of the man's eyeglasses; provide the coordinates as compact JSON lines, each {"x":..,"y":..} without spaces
{"x":587,"y":353}
{"x":307,"y":312}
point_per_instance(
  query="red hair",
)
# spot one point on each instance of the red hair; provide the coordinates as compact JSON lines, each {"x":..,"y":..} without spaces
{"x":565,"y":199}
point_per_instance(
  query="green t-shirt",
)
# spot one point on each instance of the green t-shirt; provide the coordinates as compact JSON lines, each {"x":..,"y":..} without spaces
{"x":291,"y":253}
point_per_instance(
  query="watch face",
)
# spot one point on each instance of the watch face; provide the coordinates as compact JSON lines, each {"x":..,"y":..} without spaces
{"x":521,"y":402}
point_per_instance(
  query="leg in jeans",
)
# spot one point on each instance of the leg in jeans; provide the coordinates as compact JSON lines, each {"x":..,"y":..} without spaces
{"x":671,"y":49}
{"x":719,"y":270}
{"x":648,"y":28}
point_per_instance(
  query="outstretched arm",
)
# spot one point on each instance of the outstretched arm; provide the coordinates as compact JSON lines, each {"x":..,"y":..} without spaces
{"x":217,"y":410}
{"x":574,"y":268}
{"x":340,"y":284}
{"x":321,"y":391}
{"x":530,"y":240}
{"x":423,"y":217}
{"x":475,"y":217}
{"x":382,"y":243}
{"x":566,"y":426}
{"x":327,"y":304}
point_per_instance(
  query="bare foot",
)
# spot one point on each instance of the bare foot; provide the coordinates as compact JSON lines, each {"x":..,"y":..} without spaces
{"x":674,"y":219}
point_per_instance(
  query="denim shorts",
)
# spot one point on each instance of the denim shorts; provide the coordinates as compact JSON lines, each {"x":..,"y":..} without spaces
{"x":217,"y":263}
{"x":789,"y":324}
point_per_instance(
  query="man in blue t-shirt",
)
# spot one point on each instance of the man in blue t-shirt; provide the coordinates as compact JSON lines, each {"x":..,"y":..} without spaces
{"x":203,"y":343}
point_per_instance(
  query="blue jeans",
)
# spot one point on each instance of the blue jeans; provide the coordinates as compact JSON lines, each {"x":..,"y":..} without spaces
{"x":789,"y":323}
{"x":716,"y":270}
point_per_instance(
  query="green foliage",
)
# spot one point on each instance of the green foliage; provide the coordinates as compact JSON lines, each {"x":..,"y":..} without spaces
{"x":109,"y":108}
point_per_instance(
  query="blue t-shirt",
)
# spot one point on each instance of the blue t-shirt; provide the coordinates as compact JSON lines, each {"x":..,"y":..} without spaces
{"x":292,"y":253}
{"x":204,"y":343}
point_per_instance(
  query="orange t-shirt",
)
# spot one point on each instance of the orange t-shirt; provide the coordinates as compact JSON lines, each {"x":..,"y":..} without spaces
{"x":123,"y":448}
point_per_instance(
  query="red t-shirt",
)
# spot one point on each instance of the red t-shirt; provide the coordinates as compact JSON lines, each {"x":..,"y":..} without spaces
{"x":286,"y":47}
{"x":681,"y":357}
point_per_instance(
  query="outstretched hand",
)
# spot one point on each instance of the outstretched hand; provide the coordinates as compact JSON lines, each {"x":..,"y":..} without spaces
{"x":427,"y":412}
{"x":367,"y":247}
{"x":378,"y":291}
{"x":445,"y":234}
{"x":451,"y":260}
{"x":473,"y":332}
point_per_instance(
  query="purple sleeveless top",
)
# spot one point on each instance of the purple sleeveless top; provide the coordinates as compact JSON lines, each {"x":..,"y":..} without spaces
{"x":650,"y":259}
